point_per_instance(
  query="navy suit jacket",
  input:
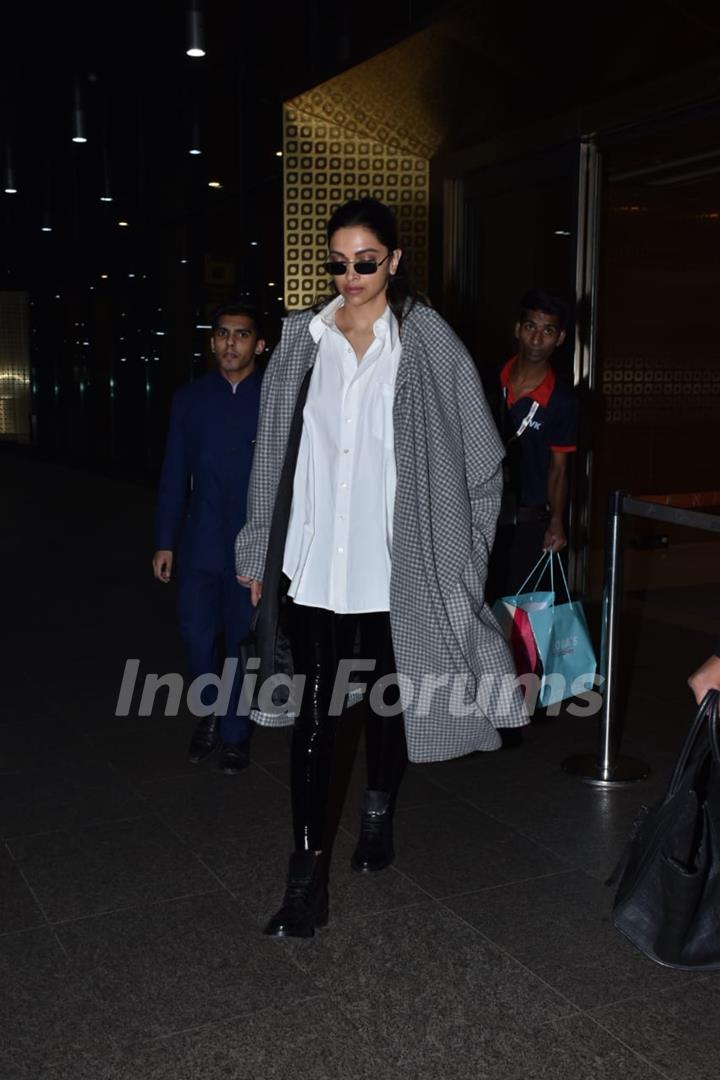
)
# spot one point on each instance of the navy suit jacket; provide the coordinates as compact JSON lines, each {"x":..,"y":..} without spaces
{"x":204,"y":480}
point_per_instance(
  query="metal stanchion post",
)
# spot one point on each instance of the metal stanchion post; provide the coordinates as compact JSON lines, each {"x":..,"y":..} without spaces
{"x":607,"y":768}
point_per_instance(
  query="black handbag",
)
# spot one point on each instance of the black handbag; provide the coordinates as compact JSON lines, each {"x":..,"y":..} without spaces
{"x":668,"y":899}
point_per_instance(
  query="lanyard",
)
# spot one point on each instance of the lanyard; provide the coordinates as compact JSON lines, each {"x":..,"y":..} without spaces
{"x":528,"y":419}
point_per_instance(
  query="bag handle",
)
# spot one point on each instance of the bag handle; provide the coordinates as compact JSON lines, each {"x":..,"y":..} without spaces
{"x":714,"y":723}
{"x":543,"y":562}
{"x":707,"y":713}
{"x":556,"y":555}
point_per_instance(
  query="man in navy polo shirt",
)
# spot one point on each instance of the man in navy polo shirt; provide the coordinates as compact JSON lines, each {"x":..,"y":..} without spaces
{"x":201,"y":507}
{"x":537,"y":417}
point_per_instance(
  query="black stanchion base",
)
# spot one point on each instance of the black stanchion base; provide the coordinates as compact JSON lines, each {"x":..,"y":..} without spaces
{"x":587,"y":768}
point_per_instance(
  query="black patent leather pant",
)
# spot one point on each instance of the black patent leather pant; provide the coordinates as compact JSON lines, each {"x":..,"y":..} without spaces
{"x":319,"y":640}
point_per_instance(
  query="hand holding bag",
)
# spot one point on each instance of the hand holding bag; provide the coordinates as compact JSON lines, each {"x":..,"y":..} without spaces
{"x":668,"y":899}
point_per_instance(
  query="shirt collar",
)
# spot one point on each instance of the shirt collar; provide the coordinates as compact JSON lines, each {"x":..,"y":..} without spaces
{"x":541,"y":393}
{"x":325,"y":320}
{"x":225,"y":385}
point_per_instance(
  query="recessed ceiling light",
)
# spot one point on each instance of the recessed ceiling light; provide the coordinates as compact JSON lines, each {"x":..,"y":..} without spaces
{"x":278,"y":153}
{"x":123,"y":224}
{"x":214,"y":183}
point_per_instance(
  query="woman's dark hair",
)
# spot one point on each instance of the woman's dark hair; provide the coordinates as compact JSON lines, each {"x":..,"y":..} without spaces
{"x":379,"y":219}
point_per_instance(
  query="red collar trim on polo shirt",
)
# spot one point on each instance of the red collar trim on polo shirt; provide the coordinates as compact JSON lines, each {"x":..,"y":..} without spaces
{"x":541,"y":393}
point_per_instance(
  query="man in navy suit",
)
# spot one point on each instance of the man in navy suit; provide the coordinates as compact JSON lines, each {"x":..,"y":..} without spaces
{"x":201,"y":508}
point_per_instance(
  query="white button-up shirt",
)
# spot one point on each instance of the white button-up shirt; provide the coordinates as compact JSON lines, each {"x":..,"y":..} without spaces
{"x":339,"y":540}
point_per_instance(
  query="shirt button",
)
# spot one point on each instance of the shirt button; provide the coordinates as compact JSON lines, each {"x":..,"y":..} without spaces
{"x":346,"y":451}
{"x":348,"y":419}
{"x":341,"y":550}
{"x":344,"y":484}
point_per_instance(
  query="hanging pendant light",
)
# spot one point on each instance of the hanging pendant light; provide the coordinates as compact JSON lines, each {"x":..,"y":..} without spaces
{"x":195,"y":30}
{"x":106,"y":191}
{"x":195,"y":149}
{"x":9,"y":173}
{"x":78,"y":119}
{"x":46,"y":225}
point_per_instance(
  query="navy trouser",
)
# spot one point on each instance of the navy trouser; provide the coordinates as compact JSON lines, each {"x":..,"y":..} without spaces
{"x":211,"y":605}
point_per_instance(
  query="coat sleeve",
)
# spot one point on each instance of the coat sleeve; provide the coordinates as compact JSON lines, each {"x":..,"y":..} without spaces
{"x":483,"y":450}
{"x":252,"y":541}
{"x":174,"y":480}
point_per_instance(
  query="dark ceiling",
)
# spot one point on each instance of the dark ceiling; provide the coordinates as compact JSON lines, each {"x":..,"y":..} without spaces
{"x":142,"y":98}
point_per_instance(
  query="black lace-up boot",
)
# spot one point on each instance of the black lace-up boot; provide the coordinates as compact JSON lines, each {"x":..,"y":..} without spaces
{"x":305,"y":905}
{"x":374,"y":849}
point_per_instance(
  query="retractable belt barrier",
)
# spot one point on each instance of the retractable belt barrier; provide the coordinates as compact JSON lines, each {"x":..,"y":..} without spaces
{"x":607,"y":768}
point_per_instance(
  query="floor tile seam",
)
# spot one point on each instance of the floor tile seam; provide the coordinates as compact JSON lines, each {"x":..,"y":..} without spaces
{"x":213,"y":873}
{"x":134,"y":1044}
{"x":436,"y":804}
{"x":27,"y":930}
{"x":689,"y":981}
{"x":184,"y":840}
{"x":35,"y":897}
{"x":344,"y":920}
{"x":574,"y":1009}
{"x":621,"y":1042}
{"x":128,"y":781}
{"x":346,"y":1006}
{"x":22,"y":929}
{"x":537,"y":843}
{"x":58,"y":923}
{"x":62,"y":829}
{"x":505,"y":884}
{"x":416,"y":884}
{"x":275,"y":779}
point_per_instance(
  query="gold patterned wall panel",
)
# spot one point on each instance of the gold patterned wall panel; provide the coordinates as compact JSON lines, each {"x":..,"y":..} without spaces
{"x":324,"y":165}
{"x":386,"y":97}
{"x":645,"y":392}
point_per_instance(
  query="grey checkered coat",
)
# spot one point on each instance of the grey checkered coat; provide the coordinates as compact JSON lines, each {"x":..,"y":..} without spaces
{"x":448,"y":454}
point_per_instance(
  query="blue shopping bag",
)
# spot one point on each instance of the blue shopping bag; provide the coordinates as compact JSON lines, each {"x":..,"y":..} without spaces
{"x":566,"y":661}
{"x":515,"y":614}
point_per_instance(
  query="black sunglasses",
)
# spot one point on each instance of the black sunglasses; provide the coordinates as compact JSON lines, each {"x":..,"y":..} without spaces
{"x":365,"y":266}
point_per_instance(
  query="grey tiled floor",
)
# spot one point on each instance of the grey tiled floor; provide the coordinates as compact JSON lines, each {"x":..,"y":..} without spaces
{"x":133,"y":886}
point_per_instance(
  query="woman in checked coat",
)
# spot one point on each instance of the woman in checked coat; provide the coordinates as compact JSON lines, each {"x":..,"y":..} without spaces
{"x":371,"y":513}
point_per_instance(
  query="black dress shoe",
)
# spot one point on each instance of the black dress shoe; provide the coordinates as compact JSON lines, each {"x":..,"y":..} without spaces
{"x":374,"y":849}
{"x":234,"y":757}
{"x":205,"y":740}
{"x":305,"y":905}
